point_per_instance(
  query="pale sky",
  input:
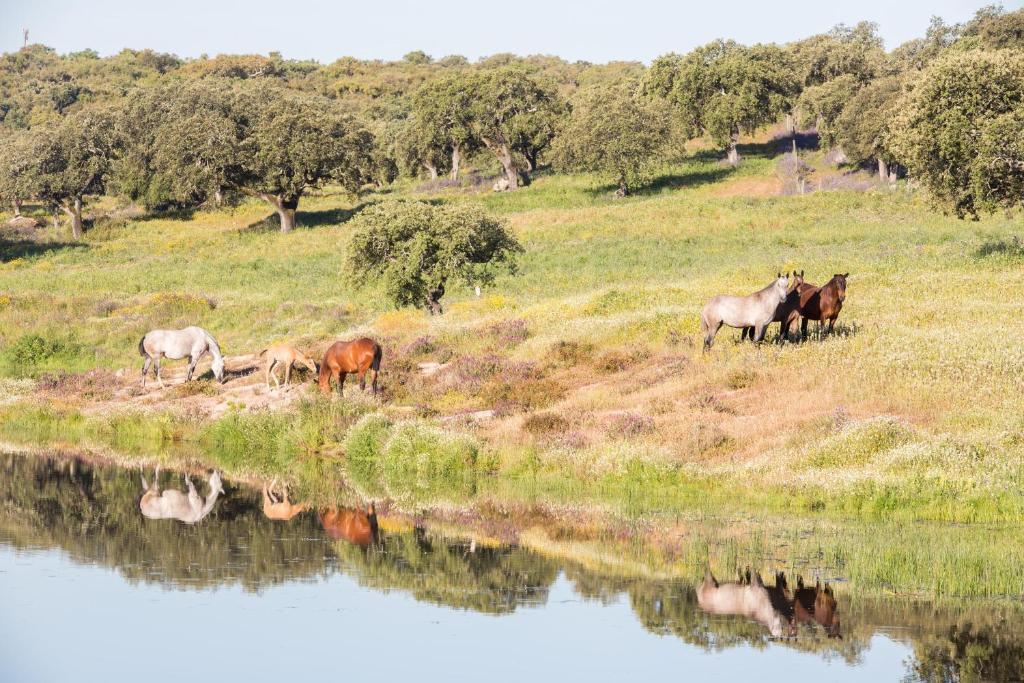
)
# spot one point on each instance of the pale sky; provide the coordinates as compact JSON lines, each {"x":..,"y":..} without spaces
{"x":596,"y":31}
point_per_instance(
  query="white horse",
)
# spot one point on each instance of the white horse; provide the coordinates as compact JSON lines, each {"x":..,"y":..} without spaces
{"x":193,"y":342}
{"x":756,"y":310}
{"x":171,"y":504}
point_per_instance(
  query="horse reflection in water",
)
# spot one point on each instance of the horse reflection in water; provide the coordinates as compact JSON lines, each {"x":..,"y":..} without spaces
{"x":352,"y":525}
{"x":816,"y":604}
{"x":776,"y":607}
{"x":751,"y":600}
{"x":277,"y":507}
{"x":187,"y":507}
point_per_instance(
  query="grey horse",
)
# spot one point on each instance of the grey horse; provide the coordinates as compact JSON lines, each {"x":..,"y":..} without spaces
{"x":756,"y":310}
{"x":193,"y":342}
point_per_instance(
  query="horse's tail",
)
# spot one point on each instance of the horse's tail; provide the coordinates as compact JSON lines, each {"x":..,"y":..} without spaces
{"x":264,"y":352}
{"x":378,"y":352}
{"x":142,"y":347}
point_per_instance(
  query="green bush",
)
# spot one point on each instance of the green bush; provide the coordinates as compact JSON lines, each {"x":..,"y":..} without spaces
{"x":410,"y":461}
{"x":32,"y":353}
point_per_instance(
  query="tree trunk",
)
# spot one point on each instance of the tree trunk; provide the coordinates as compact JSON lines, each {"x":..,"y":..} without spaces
{"x":456,"y":161}
{"x":218,"y":197}
{"x":530,"y":155}
{"x":17,"y":208}
{"x":56,"y":219}
{"x":734,"y":155}
{"x":623,"y":188}
{"x":508,"y":164}
{"x":431,"y":169}
{"x":74,"y":211}
{"x":790,"y":124}
{"x":285,"y":208}
{"x":433,"y":302}
{"x":883,"y":170}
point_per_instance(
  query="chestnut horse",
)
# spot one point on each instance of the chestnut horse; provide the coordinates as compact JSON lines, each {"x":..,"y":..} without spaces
{"x":350,"y":357}
{"x":822,"y":303}
{"x":786,"y":313}
{"x":352,"y":525}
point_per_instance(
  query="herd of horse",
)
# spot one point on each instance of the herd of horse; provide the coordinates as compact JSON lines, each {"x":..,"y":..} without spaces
{"x":785,"y":301}
{"x":357,"y":526}
{"x":778,"y":608}
{"x":359,"y":357}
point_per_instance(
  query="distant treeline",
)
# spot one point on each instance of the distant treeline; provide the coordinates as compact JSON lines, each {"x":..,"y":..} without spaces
{"x":946,"y":109}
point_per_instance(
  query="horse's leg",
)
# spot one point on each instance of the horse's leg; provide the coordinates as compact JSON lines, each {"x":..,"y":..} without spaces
{"x":287,"y":373}
{"x":803,"y":328}
{"x":159,"y":379}
{"x":759,"y":332}
{"x":145,"y":370}
{"x":340,"y":379}
{"x":831,"y":325}
{"x":362,"y":380}
{"x":745,"y":332}
{"x":192,"y":361}
{"x":373,"y":382}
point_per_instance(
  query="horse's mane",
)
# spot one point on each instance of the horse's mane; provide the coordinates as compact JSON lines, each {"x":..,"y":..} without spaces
{"x":765,"y":289}
{"x":212,"y":343}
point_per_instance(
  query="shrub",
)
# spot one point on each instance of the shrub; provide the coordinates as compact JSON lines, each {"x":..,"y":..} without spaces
{"x":32,"y":352}
{"x":415,"y":249}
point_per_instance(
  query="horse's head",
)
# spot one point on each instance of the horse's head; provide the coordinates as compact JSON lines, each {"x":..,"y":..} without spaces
{"x":839,"y":279}
{"x":798,"y":279}
{"x":826,"y":611}
{"x":216,"y":486}
{"x":218,"y":369}
{"x":782,"y":286}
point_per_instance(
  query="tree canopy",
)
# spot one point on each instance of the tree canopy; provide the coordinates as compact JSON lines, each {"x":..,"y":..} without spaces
{"x":256,"y":140}
{"x":415,"y":249}
{"x":955,"y":130}
{"x":725,"y":89}
{"x":614,"y":131}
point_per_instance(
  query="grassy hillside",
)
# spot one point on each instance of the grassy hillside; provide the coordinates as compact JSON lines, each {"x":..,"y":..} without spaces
{"x":589,"y":356}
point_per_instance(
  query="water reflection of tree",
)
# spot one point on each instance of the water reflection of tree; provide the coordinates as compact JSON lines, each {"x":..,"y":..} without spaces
{"x":92,"y":513}
{"x":970,"y":653}
{"x":450,"y":572}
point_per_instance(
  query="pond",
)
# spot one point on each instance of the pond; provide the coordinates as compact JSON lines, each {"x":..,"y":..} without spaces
{"x":90,"y":589}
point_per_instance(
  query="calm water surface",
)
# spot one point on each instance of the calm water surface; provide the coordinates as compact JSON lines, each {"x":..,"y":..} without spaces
{"x":91,"y":590}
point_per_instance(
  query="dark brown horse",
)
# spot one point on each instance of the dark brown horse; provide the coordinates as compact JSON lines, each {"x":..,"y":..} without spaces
{"x":786,"y":313}
{"x":822,"y":303}
{"x":344,"y":358}
{"x":352,"y":525}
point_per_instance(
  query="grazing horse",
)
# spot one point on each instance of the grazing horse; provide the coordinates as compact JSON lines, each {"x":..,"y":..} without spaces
{"x":283,"y":354}
{"x":352,"y":525}
{"x":756,"y":310}
{"x":282,"y":509}
{"x":174,"y":504}
{"x":752,"y":601}
{"x":822,"y":303}
{"x":786,"y":313}
{"x":350,"y":357}
{"x":193,"y":342}
{"x":817,"y":604}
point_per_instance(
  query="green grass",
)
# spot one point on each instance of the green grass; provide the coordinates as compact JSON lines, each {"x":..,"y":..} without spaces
{"x":910,"y":413}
